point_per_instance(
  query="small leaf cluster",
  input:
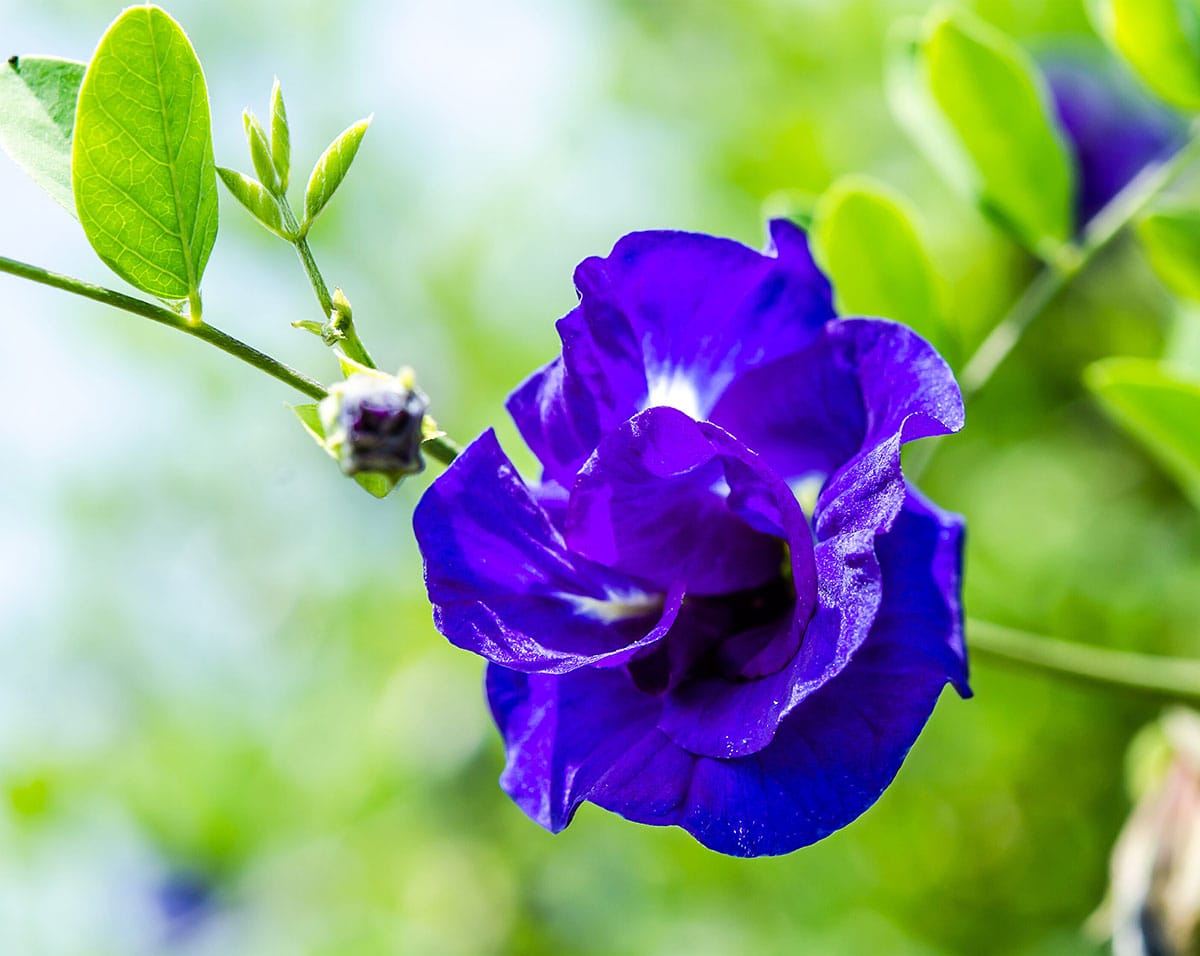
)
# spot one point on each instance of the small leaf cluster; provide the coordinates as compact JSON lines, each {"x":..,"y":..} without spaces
{"x":124,"y":143}
{"x":270,"y":154}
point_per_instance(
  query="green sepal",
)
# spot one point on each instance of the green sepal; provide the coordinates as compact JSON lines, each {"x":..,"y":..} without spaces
{"x":865,"y":238}
{"x":375,"y":483}
{"x":979,"y":108}
{"x":260,"y":152}
{"x":1157,"y":405}
{"x":281,"y":138}
{"x":257,"y":200}
{"x":38,"y":96}
{"x":330,"y":170}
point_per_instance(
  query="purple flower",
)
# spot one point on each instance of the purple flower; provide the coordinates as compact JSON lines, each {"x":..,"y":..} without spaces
{"x":722,"y":607}
{"x":1112,"y":128}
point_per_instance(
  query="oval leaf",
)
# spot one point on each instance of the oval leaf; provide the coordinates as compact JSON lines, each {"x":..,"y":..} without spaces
{"x":144,"y":176}
{"x":37,"y":117}
{"x":254,"y":196}
{"x":865,"y":240}
{"x":977,"y":104}
{"x":1160,"y":39}
{"x":330,"y":170}
{"x":1171,"y":239}
{"x":1159,"y":408}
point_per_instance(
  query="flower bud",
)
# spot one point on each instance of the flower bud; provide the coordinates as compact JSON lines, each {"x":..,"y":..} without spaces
{"x":1154,"y":897}
{"x":373,"y":423}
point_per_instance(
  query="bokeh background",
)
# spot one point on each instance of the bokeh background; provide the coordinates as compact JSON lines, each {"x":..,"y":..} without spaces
{"x":226,"y":722}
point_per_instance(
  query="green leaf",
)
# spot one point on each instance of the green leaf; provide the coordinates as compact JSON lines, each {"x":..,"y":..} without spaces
{"x":254,"y":196}
{"x":373,"y":482}
{"x":864,"y":238}
{"x":145,"y":181}
{"x":1171,"y":238}
{"x":37,"y":116}
{"x":1157,"y":406}
{"x":281,"y":137}
{"x":977,"y":104}
{"x":330,"y":170}
{"x":1160,"y":39}
{"x":260,"y":151}
{"x":1182,"y":349}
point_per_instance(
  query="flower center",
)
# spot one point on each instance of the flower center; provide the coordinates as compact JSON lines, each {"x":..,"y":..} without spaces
{"x":733,"y":637}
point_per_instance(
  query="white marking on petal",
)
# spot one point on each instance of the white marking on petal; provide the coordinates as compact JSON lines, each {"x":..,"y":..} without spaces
{"x":675,"y":389}
{"x":616,"y":605}
{"x":806,"y":488}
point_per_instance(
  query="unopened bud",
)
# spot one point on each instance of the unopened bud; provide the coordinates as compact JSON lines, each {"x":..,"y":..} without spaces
{"x":373,"y":423}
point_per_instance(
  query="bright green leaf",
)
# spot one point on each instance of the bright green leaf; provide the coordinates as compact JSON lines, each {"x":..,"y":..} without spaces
{"x":254,"y":196}
{"x":1160,"y":39}
{"x":976,"y":103}
{"x":1157,"y":406}
{"x":330,"y":170}
{"x":281,"y":137}
{"x":865,"y":240}
{"x":144,"y":176}
{"x":37,"y":116}
{"x":1182,"y":348}
{"x":1171,"y":239}
{"x":377,"y":484}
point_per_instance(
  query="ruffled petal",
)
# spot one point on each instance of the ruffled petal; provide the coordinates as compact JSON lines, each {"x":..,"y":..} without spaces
{"x":667,"y":499}
{"x":893,"y":387}
{"x":668,"y":318}
{"x":592,"y":735}
{"x":840,"y":748}
{"x":562,"y":733}
{"x":861,"y":383}
{"x":504,"y":585}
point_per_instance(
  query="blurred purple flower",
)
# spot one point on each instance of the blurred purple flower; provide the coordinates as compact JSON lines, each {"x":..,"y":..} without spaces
{"x":671,"y":634}
{"x":185,"y":899}
{"x":1112,"y":128}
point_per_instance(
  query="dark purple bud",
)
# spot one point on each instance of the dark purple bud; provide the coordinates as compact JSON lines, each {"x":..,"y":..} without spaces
{"x":373,"y":423}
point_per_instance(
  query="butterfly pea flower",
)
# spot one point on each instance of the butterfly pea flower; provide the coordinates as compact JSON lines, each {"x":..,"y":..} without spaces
{"x":1112,"y":128}
{"x":720,"y":606}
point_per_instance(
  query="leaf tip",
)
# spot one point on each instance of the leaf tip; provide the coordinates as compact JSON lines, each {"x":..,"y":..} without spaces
{"x":14,"y":61}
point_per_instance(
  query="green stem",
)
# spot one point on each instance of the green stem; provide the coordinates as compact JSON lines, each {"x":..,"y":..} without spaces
{"x":157,"y":313}
{"x":1161,"y":677}
{"x":1055,"y":276}
{"x":443,"y":448}
{"x":350,"y":343}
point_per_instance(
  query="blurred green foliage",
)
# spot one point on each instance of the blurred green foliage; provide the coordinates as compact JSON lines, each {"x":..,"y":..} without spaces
{"x":219,"y":660}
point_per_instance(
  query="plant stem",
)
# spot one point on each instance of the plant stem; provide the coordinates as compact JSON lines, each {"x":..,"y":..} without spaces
{"x":157,"y":313}
{"x":1055,"y":276}
{"x":443,"y":448}
{"x":350,"y":343}
{"x":1161,"y":677}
